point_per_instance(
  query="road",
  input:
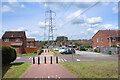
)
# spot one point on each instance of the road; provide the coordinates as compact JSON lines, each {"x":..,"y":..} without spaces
{"x":80,"y":56}
{"x":88,"y":56}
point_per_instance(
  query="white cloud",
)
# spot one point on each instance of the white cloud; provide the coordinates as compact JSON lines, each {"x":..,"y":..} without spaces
{"x":21,"y":29}
{"x":76,"y":17}
{"x":6,"y":8}
{"x":95,"y":31}
{"x":94,"y":20}
{"x":75,"y":14}
{"x":15,"y":3}
{"x":115,"y":9}
{"x":23,"y":6}
{"x":89,"y":29}
{"x":42,"y":24}
{"x":109,"y":26}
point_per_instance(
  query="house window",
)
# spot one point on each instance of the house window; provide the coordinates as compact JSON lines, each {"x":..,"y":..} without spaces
{"x":31,"y":46}
{"x":17,"y":39}
{"x":113,"y":39}
{"x":27,"y":46}
{"x":31,"y":42}
{"x":102,"y":40}
{"x":7,"y":40}
{"x":27,"y":42}
{"x":97,"y":40}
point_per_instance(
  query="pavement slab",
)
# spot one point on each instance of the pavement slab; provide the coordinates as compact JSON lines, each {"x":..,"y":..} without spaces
{"x":47,"y":71}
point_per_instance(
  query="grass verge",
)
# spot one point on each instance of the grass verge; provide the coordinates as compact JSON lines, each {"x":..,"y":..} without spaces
{"x":93,"y":69}
{"x":54,"y":52}
{"x":27,"y":54}
{"x":14,"y":70}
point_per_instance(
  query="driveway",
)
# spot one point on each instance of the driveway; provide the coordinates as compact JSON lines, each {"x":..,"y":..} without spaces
{"x":87,"y":56}
{"x":82,"y":56}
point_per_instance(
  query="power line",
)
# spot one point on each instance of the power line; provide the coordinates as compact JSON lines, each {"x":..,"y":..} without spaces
{"x":82,"y":13}
{"x":60,"y":18}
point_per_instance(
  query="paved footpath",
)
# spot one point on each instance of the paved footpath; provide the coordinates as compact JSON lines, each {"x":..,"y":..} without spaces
{"x":47,"y":71}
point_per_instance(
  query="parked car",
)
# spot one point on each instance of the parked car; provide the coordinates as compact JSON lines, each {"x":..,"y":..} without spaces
{"x":70,"y":51}
{"x":63,"y":51}
{"x":77,"y":48}
{"x":57,"y":49}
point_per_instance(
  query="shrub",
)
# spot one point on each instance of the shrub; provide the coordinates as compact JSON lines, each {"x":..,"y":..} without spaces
{"x":40,"y":52}
{"x":113,"y":46}
{"x":8,"y":54}
{"x":60,"y":45}
{"x":82,"y":49}
{"x":95,"y":50}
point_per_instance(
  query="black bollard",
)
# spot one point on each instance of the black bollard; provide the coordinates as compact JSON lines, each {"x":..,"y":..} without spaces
{"x":33,"y":60}
{"x":45,"y":59}
{"x":51,"y":59}
{"x":38,"y":60}
{"x":57,"y":59}
{"x":48,"y":50}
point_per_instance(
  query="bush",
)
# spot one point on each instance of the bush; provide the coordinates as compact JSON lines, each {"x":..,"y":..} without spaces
{"x":95,"y":50}
{"x":113,"y":46}
{"x":8,"y":54}
{"x":40,"y":52}
{"x":82,"y":49}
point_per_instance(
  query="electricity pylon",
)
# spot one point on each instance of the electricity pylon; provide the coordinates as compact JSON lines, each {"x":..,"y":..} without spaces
{"x":50,"y":22}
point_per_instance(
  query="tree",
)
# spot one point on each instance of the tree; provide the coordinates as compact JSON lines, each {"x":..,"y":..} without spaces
{"x":62,"y":38}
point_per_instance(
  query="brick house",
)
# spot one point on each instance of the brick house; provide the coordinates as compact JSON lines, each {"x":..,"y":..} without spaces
{"x":84,"y":42}
{"x":38,"y":43}
{"x":30,"y":42}
{"x":16,"y":39}
{"x":106,"y":38}
{"x":65,"y":43}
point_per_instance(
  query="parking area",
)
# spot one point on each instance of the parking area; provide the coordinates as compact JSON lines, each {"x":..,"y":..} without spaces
{"x":80,"y":56}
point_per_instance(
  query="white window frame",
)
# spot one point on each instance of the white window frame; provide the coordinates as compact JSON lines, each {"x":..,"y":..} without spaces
{"x":101,"y":40}
{"x":97,"y":40}
{"x":113,"y":39}
{"x":31,"y":46}
{"x":31,"y":42}
{"x":6,"y":40}
{"x":17,"y":39}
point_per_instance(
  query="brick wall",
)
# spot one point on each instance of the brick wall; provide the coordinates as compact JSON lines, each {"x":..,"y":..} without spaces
{"x":31,"y":50}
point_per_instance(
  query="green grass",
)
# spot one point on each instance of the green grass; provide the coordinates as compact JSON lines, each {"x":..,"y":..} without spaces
{"x":27,"y":54}
{"x":93,"y":69}
{"x":14,"y":70}
{"x":55,"y":52}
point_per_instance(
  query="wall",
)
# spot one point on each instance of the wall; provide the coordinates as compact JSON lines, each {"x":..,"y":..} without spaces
{"x":31,"y":50}
{"x":106,"y":49}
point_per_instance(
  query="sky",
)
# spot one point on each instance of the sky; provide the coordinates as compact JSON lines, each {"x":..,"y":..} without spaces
{"x":76,"y":20}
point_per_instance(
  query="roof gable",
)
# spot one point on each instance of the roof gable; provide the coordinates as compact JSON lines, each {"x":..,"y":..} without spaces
{"x":14,"y":34}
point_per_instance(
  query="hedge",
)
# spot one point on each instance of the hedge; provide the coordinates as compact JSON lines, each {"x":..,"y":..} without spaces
{"x":8,"y":54}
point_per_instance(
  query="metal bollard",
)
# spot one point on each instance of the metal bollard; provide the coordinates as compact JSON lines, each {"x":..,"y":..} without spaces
{"x":45,"y":59}
{"x":48,"y":50}
{"x":38,"y":60}
{"x":33,"y":60}
{"x":57,"y":59}
{"x":51,"y":59}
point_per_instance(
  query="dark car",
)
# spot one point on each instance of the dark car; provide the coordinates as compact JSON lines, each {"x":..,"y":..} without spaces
{"x":70,"y":51}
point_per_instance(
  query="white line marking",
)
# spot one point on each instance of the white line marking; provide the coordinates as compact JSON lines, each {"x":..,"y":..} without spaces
{"x":65,"y":60}
{"x":78,"y":59}
{"x":29,"y":57}
{"x":62,"y":60}
{"x":18,"y":57}
{"x":48,"y":77}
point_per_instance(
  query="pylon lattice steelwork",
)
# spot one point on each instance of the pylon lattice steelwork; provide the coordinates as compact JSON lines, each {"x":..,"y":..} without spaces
{"x":50,"y":22}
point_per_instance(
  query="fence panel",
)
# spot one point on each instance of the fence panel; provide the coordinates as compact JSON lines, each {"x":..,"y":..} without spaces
{"x":106,"y":49}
